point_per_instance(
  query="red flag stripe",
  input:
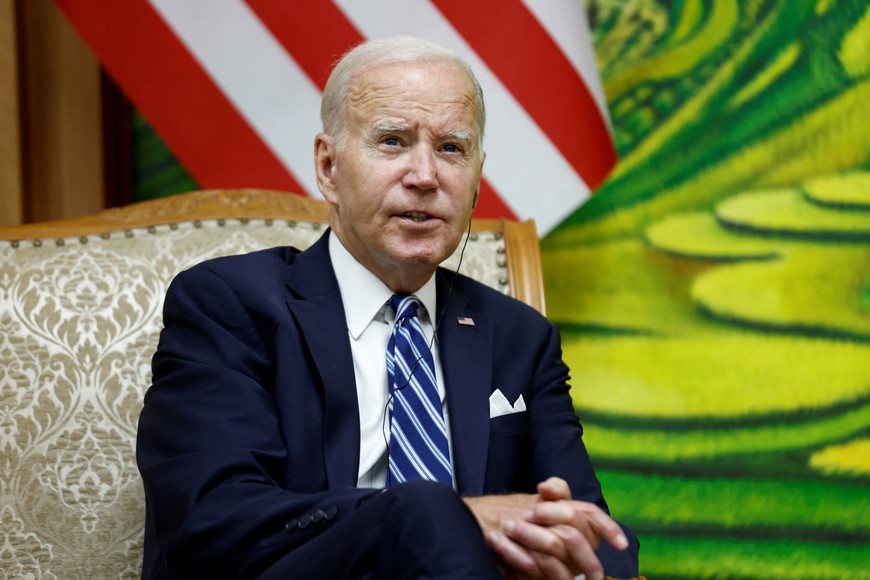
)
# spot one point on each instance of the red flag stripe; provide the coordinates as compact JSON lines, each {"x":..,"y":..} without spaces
{"x":529,"y":172}
{"x":538,"y":74}
{"x":491,"y":204}
{"x":316,"y":48}
{"x":568,"y":25}
{"x":179,"y":99}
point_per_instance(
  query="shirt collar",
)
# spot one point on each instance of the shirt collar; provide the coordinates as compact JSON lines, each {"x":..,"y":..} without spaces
{"x":365,"y":296}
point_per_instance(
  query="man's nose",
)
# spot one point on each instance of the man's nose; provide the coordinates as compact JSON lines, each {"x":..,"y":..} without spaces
{"x":422,"y":170}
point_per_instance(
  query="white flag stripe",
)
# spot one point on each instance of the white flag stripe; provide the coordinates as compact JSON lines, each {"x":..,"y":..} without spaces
{"x":560,"y":20}
{"x":256,"y":74}
{"x":523,"y":165}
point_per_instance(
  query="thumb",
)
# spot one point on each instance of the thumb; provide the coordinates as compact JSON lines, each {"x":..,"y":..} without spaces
{"x":554,"y":489}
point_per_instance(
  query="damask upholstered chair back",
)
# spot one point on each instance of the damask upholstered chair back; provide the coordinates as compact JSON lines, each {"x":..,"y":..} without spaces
{"x":80,"y":315}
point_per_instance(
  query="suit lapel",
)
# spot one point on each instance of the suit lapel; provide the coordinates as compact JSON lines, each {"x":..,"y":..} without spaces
{"x":315,"y":303}
{"x":466,"y":362}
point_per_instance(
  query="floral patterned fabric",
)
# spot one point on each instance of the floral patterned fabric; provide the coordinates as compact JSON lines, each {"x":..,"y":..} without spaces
{"x":79,"y":321}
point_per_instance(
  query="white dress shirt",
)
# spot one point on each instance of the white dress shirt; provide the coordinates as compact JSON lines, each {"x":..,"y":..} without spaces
{"x":370,"y":323}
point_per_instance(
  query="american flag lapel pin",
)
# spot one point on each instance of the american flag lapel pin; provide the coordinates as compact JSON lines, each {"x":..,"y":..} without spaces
{"x":465,"y":320}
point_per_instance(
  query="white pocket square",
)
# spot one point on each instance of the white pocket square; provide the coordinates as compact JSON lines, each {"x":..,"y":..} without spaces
{"x":499,"y":405}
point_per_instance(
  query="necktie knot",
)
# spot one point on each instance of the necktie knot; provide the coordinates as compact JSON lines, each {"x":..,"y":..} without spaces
{"x":404,"y":306}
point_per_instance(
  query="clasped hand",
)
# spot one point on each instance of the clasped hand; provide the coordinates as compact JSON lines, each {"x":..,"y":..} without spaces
{"x":546,"y":535}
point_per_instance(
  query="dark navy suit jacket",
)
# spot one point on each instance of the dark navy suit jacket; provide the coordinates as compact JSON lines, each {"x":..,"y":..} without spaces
{"x":252,"y":417}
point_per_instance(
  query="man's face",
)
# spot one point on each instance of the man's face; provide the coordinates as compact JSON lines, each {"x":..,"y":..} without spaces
{"x":402,"y":178}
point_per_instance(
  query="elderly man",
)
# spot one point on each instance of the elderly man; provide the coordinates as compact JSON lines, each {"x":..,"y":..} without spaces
{"x":325,"y":414}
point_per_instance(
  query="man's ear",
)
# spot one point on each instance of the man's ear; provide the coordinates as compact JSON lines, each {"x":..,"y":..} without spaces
{"x":324,"y":166}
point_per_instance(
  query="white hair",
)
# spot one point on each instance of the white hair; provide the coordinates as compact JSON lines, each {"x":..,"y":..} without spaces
{"x":380,"y":52}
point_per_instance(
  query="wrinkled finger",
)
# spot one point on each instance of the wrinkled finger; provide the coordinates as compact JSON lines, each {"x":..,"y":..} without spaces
{"x":552,"y":568}
{"x":606,"y":527}
{"x":588,"y":518}
{"x":513,"y":556}
{"x":552,"y":513}
{"x":581,"y":552}
{"x":536,"y":538}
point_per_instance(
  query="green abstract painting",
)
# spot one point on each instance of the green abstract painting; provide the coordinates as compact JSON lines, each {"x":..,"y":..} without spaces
{"x":714,"y":295}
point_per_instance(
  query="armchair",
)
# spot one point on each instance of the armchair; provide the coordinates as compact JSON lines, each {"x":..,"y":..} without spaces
{"x":80,"y":314}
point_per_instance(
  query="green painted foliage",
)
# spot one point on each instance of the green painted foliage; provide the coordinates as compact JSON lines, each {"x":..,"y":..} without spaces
{"x":787,"y":213}
{"x":156,"y":171}
{"x":793,"y":508}
{"x":717,"y":377}
{"x":760,"y":449}
{"x":618,"y":285}
{"x":816,"y":291}
{"x":851,"y":458}
{"x":714,"y":296}
{"x":692,"y":557}
{"x":847,"y":191}
{"x":697,"y":235}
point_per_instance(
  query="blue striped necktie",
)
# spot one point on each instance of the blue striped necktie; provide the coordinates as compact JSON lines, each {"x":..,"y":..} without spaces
{"x":418,"y":436}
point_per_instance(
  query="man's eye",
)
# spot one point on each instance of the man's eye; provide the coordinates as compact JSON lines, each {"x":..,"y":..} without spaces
{"x":390,"y":141}
{"x":451,"y":148}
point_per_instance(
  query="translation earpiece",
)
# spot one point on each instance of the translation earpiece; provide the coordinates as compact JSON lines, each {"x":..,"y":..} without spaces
{"x":474,"y":199}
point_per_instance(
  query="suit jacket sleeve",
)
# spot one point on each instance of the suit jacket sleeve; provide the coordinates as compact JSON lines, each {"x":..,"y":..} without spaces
{"x":518,"y":352}
{"x":210,"y":448}
{"x":528,"y":447}
{"x":556,"y":434}
{"x":558,"y":450}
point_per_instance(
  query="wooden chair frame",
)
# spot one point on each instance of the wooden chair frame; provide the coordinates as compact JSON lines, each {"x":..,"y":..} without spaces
{"x":522,"y":248}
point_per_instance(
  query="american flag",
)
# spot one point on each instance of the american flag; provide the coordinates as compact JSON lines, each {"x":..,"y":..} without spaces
{"x":233,"y":86}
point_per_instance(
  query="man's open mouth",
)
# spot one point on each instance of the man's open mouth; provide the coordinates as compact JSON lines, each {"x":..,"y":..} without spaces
{"x":416,"y":216}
